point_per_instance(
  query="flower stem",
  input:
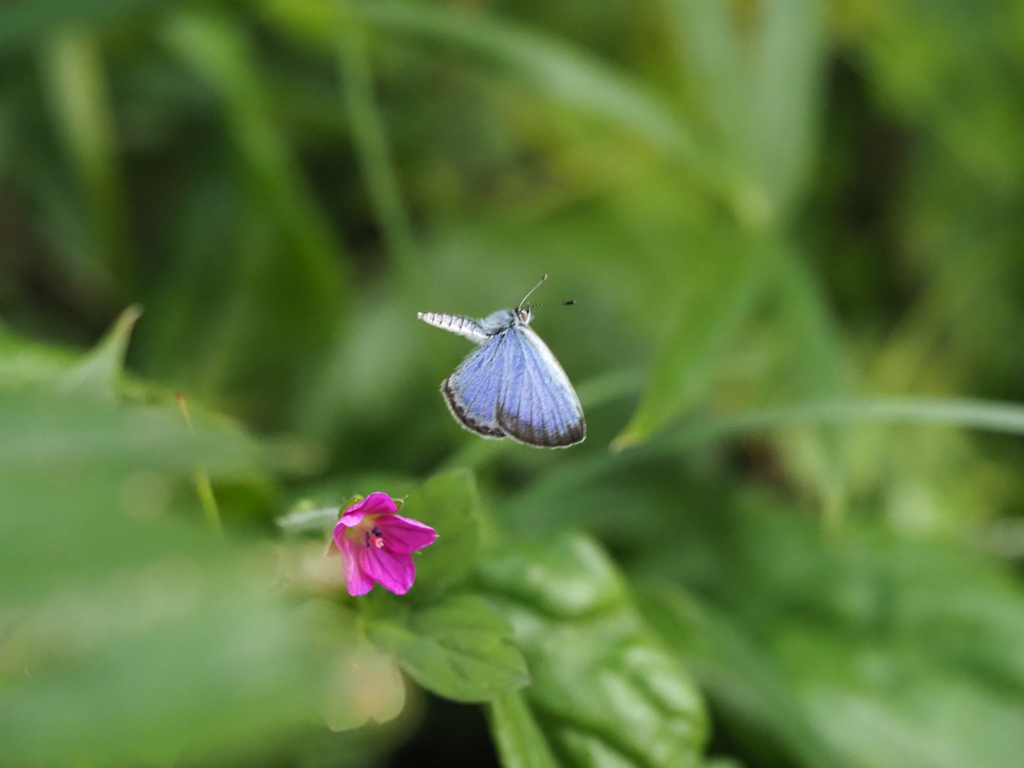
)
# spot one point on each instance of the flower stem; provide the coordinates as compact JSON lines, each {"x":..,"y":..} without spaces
{"x":204,"y":488}
{"x":302,"y":520}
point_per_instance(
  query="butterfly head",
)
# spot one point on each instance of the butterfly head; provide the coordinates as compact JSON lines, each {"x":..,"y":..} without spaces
{"x":523,"y":314}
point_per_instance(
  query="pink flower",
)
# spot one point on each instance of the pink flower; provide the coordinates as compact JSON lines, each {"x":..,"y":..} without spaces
{"x":376,"y":545}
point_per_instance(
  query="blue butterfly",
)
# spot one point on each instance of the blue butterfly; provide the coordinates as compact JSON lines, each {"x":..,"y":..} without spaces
{"x":511,"y":386}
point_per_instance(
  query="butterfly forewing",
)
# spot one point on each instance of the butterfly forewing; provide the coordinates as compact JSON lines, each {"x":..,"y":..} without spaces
{"x":536,"y":402}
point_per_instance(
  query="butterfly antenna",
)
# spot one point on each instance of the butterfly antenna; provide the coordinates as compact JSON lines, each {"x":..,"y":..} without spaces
{"x":552,"y":304}
{"x":538,"y":285}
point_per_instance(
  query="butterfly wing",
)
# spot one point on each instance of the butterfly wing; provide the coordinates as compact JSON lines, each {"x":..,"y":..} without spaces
{"x":472,"y":390}
{"x":536,"y":403}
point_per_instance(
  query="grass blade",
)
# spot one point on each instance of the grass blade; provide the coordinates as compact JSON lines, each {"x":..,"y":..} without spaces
{"x":684,"y":367}
{"x":221,"y":54}
{"x":75,"y":73}
{"x":565,"y":74}
{"x":371,"y":144}
{"x":26,"y":23}
{"x":964,"y":413}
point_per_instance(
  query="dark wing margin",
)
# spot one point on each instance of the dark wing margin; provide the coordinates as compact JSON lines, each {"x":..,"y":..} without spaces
{"x":536,"y":402}
{"x":461,"y":416}
{"x":471,"y":392}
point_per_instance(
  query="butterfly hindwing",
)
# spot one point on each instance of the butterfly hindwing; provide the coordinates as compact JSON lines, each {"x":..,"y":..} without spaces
{"x":536,"y":403}
{"x":472,"y":390}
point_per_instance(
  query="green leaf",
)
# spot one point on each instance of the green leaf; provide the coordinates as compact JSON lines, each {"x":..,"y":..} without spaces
{"x":760,"y":78}
{"x":460,"y":648}
{"x":517,"y":737}
{"x":895,"y":652}
{"x":160,"y":659}
{"x":125,"y":624}
{"x":25,"y":363}
{"x":83,"y":480}
{"x":448,"y":503}
{"x":363,"y":683}
{"x":810,"y":325}
{"x":567,"y":578}
{"x":787,"y":71}
{"x":817,"y":368}
{"x":605,"y":691}
{"x":708,"y":47}
{"x":98,"y":371}
{"x":685,"y":364}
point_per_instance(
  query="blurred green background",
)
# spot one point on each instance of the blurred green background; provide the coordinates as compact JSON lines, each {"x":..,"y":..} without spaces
{"x":792,"y":229}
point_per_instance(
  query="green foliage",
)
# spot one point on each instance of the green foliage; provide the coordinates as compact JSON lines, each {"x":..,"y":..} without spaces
{"x":28,"y":23}
{"x":449,"y":504}
{"x":877,"y":640}
{"x":792,"y":229}
{"x":98,"y":372}
{"x":605,"y":692}
{"x":460,"y":649}
{"x":568,"y":76}
{"x":760,"y":707}
{"x":685,"y":367}
{"x":518,"y":739}
{"x":125,"y":625}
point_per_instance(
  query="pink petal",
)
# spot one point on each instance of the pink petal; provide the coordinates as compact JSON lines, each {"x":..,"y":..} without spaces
{"x":395,"y":571}
{"x":358,"y":581}
{"x":375,"y":504}
{"x":339,"y":534}
{"x":350,"y":518}
{"x":403,"y":535}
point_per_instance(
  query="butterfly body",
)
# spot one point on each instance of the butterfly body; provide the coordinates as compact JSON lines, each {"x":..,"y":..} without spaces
{"x":511,"y":385}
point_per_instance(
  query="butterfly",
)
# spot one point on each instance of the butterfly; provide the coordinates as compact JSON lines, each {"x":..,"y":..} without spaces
{"x":511,"y":385}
